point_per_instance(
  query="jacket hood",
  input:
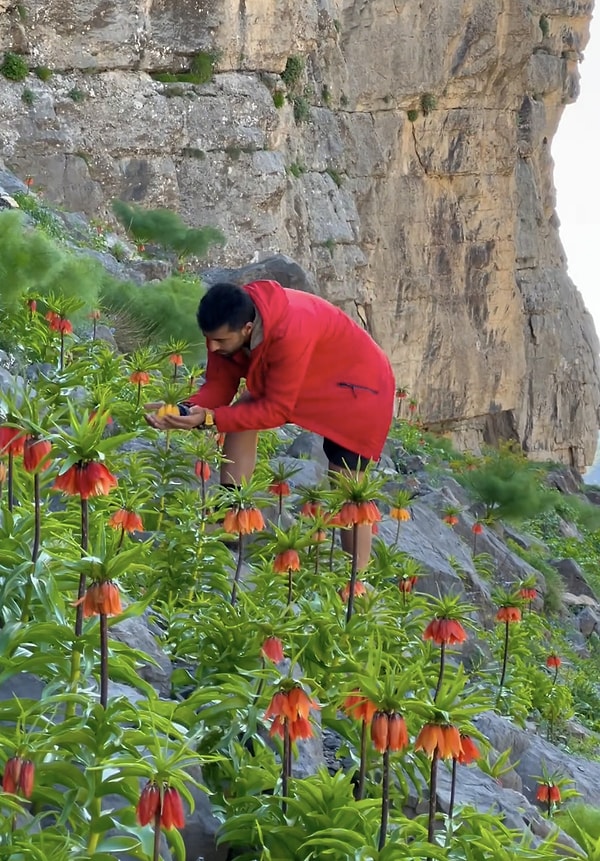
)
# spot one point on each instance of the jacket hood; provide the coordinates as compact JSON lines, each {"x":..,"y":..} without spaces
{"x":271,"y":302}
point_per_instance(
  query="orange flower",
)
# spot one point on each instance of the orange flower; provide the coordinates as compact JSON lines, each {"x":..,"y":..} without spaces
{"x":470,"y":752}
{"x":445,"y":631}
{"x":243,"y":520}
{"x":319,"y":536}
{"x":553,"y":661}
{"x":477,"y":528}
{"x":508,"y":614}
{"x":36,"y":453}
{"x":32,"y":305}
{"x":287,"y":560}
{"x":202,"y":470}
{"x":406,"y":584}
{"x":142,"y":378}
{"x":442,"y":740}
{"x":86,"y":479}
{"x":172,"y":814}
{"x":548,"y":792}
{"x":149,"y":804}
{"x":126,"y":520}
{"x":450,"y":519}
{"x":19,"y":776}
{"x":397,"y":732}
{"x":359,"y":590}
{"x":379,"y":731}
{"x":272,"y":648}
{"x":102,"y":599}
{"x":311,"y":509}
{"x":28,"y":181}
{"x":280,"y":488}
{"x":291,"y":708}
{"x":359,"y":707}
{"x":58,"y":323}
{"x":12,"y":440}
{"x":528,"y":594}
{"x":176,"y":359}
{"x":400,"y":514}
{"x":3,"y":472}
{"x":359,"y":513}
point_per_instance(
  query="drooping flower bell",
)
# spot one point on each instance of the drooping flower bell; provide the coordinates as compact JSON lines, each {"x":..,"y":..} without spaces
{"x":548,"y":793}
{"x":36,"y":454}
{"x":126,"y":520}
{"x":469,"y":750}
{"x":243,"y":521}
{"x":358,"y":514}
{"x":272,"y":648}
{"x":447,"y":632}
{"x":141,"y":378}
{"x":553,"y":661}
{"x":291,"y":708}
{"x":202,"y":470}
{"x":287,"y":560}
{"x":280,"y":488}
{"x":359,"y":591}
{"x":359,"y":707}
{"x":388,"y":731}
{"x":12,"y":440}
{"x":19,"y":776}
{"x":508,"y":614}
{"x":86,"y":479}
{"x":400,"y":514}
{"x":407,"y":584}
{"x":163,"y":807}
{"x":442,"y":740}
{"x":102,"y":598}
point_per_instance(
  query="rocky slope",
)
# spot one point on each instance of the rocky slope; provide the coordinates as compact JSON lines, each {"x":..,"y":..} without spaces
{"x":408,"y":170}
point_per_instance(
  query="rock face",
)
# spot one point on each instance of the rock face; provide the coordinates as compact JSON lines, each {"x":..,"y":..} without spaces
{"x":408,"y":171}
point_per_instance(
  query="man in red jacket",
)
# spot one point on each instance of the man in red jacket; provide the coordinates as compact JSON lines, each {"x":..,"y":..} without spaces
{"x":304,"y":362}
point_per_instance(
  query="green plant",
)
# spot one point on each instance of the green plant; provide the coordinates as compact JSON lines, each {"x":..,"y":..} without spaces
{"x":77,"y":95}
{"x":325,"y":95}
{"x":194,"y":152}
{"x":544,"y":24}
{"x":330,"y":245}
{"x":278,"y":98}
{"x":293,"y":71}
{"x":14,"y":67}
{"x":335,"y":175}
{"x":28,"y":96}
{"x":202,"y":66}
{"x":296,"y":169}
{"x":301,"y":109}
{"x":428,"y":103}
{"x":412,"y":115}
{"x":43,"y":73}
{"x":344,"y":101}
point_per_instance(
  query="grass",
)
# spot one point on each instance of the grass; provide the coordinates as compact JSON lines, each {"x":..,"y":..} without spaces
{"x":14,"y":67}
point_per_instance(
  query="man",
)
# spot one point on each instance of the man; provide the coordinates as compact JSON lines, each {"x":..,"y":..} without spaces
{"x":304,"y":362}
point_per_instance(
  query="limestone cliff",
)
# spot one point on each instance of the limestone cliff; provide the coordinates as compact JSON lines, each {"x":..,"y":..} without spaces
{"x":408,"y":170}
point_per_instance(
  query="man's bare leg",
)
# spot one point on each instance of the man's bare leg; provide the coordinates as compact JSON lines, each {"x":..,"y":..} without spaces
{"x":239,"y":450}
{"x":364,"y":537}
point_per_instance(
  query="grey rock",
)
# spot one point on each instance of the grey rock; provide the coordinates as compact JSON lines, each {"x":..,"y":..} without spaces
{"x":276,"y":268}
{"x":135,"y":632}
{"x":308,"y":445}
{"x":573,"y":577}
{"x":588,"y":621}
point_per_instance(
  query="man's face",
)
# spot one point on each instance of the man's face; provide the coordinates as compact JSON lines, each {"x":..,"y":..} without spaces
{"x":225,"y":341}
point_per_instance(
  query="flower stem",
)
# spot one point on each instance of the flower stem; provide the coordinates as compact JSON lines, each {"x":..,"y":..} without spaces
{"x":10,"y":485}
{"x":505,"y":657}
{"x":238,"y":569}
{"x":442,"y":667}
{"x":452,"y":787}
{"x":432,"y":797}
{"x":82,"y":577}
{"x":285,"y":764}
{"x":331,"y":549}
{"x":385,"y":799}
{"x":35,"y":550}
{"x":290,"y":587}
{"x":62,"y":352}
{"x":397,"y":538}
{"x":139,"y":394}
{"x":96,"y":813}
{"x":103,"y":660}
{"x":156,"y":852}
{"x":280,"y":508}
{"x":317,"y":557}
{"x":362,"y":772}
{"x":353,"y":572}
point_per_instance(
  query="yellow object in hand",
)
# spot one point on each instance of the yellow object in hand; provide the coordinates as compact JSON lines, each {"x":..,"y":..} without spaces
{"x":168,"y":410}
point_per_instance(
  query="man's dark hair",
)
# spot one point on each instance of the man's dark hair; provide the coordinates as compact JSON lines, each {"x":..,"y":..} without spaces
{"x":225,"y":305}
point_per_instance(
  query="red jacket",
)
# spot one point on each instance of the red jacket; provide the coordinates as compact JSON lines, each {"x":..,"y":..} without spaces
{"x":315,"y":368}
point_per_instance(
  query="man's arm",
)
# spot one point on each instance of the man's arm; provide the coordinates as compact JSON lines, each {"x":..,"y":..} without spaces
{"x":222,"y":382}
{"x":284,"y":378}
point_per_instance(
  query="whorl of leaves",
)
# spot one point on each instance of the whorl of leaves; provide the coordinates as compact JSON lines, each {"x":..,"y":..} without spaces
{"x":166,"y":229}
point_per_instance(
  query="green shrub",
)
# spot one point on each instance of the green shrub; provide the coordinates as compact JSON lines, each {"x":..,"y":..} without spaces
{"x":545,"y":26}
{"x":43,"y":73}
{"x":76,"y":94}
{"x":292,"y":73}
{"x":428,"y":103}
{"x":325,"y":95}
{"x":14,"y":67}
{"x":413,"y":115}
{"x":278,"y":98}
{"x":296,"y":169}
{"x":28,"y":96}
{"x":301,"y":109}
{"x":166,"y":228}
{"x":202,"y":67}
{"x":335,"y":175}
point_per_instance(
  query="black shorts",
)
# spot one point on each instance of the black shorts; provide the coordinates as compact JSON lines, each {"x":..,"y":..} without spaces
{"x":343,"y":457}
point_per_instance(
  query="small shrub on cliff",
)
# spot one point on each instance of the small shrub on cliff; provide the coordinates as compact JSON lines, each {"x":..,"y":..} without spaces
{"x":43,"y":73}
{"x":278,"y":98}
{"x":165,"y":228}
{"x":14,"y":67}
{"x":292,"y":73}
{"x":428,"y":103}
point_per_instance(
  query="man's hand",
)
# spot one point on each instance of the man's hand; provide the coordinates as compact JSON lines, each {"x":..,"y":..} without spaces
{"x":195,"y":419}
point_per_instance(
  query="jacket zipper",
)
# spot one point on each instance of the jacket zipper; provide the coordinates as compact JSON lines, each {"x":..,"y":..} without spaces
{"x":354,"y":386}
